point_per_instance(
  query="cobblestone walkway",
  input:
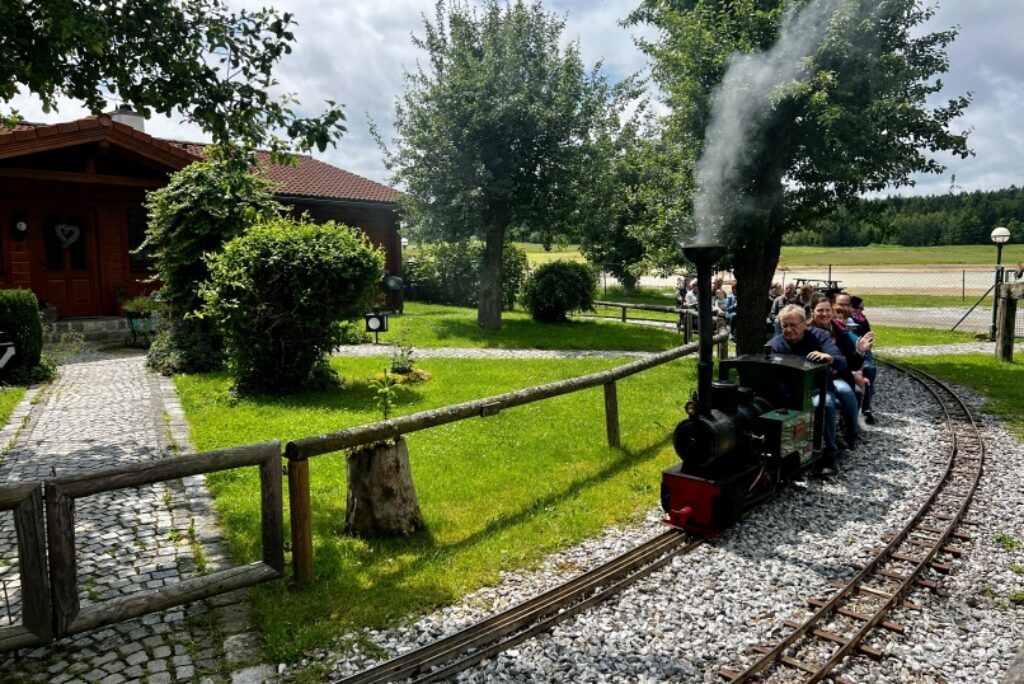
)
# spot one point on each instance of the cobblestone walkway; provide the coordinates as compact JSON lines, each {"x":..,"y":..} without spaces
{"x":106,"y":410}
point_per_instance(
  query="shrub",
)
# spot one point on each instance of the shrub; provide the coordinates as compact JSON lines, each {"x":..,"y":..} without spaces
{"x":449,"y":273}
{"x":19,"y":321}
{"x":278,"y":294}
{"x":558,"y":288}
{"x":192,"y":345}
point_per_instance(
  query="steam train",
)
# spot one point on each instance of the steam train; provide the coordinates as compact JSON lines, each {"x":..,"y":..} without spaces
{"x":747,"y":434}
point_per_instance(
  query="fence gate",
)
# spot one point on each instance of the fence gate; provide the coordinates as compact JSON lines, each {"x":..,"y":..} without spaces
{"x":50,"y":596}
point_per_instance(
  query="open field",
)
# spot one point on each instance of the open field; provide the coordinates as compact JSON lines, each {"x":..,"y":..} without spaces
{"x":873,"y":256}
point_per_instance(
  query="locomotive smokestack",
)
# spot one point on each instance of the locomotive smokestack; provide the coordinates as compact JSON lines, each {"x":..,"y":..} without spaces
{"x":704,"y":257}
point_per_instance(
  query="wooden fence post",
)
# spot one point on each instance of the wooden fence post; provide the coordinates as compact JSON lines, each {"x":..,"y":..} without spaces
{"x":1005,"y":329}
{"x":623,"y":314}
{"x":611,"y":413}
{"x":301,"y":522}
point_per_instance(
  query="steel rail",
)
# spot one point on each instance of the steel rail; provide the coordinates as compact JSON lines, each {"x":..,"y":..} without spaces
{"x":777,"y":654}
{"x":531,"y":617}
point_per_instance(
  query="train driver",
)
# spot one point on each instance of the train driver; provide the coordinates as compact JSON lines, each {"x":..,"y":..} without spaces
{"x":816,"y":345}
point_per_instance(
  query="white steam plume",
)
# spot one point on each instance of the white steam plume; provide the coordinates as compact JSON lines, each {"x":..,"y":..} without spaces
{"x":742,"y":105}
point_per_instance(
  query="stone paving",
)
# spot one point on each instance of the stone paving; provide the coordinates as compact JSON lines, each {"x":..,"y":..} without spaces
{"x":106,"y":410}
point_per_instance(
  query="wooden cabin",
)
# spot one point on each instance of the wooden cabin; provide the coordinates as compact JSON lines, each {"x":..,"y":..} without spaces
{"x":71,"y":207}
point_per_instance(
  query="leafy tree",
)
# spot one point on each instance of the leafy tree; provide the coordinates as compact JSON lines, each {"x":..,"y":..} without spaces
{"x":610,"y":245}
{"x":817,"y":122}
{"x":203,"y":206}
{"x":214,"y":63}
{"x":502,"y":130}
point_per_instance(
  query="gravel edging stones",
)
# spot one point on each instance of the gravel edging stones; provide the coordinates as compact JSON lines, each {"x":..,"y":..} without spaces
{"x":106,"y":410}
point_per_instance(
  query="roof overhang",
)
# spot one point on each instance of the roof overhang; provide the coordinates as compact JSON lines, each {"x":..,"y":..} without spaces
{"x":27,"y":141}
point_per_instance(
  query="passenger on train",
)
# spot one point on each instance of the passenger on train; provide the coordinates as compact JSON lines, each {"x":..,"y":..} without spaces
{"x":798,"y":339}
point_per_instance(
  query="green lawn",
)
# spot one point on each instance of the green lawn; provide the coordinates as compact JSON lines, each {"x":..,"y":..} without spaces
{"x":436,"y":325}
{"x":9,"y":398}
{"x":1001,"y":383}
{"x":894,"y":255}
{"x":497,"y":493}
{"x":537,"y":255}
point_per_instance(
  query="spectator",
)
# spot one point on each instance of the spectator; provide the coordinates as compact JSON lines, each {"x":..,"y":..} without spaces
{"x":816,"y":345}
{"x":787,"y":297}
{"x":730,"y":311}
{"x":806,"y":293}
{"x":843,"y":380}
{"x":691,"y":296}
{"x":851,"y":311}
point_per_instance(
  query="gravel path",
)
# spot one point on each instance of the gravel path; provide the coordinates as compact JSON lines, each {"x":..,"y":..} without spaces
{"x":706,"y":610}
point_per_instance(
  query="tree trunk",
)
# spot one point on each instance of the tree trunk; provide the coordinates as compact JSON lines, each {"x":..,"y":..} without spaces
{"x":381,"y":495}
{"x":628,"y":284}
{"x":488,"y":313}
{"x":755,"y":257}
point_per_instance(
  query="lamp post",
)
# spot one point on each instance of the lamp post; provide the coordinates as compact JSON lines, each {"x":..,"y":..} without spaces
{"x":1000,"y":236}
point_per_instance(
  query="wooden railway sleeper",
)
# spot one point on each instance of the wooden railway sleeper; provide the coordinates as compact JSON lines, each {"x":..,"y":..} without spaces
{"x":870,"y":591}
{"x":926,"y":543}
{"x":800,"y":665}
{"x":962,"y":536}
{"x":927,"y":583}
{"x":943,"y":568}
{"x":888,"y":624}
{"x":869,"y":651}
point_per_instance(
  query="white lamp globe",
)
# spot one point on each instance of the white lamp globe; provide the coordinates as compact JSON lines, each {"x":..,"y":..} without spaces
{"x":1000,"y":235}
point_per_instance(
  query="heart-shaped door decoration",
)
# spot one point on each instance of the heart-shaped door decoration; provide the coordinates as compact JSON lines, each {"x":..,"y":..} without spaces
{"x":67,"y":234}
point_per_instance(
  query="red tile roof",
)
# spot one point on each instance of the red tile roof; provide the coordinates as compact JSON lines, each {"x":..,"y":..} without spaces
{"x":308,"y":178}
{"x":314,"y":178}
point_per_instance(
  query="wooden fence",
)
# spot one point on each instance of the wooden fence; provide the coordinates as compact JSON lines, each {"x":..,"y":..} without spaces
{"x":50,"y":601}
{"x":299,"y":451}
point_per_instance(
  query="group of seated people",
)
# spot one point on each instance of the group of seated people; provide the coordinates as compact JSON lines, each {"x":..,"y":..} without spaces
{"x":836,"y":332}
{"x":723,"y":306}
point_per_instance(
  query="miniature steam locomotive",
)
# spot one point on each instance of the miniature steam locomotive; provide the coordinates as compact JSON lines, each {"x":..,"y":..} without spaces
{"x":746,"y":435}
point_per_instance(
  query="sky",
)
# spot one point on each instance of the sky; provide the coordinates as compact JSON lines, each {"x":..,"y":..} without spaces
{"x":355,"y":52}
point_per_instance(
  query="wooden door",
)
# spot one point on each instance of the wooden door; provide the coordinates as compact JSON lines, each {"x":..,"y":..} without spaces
{"x":66,"y":256}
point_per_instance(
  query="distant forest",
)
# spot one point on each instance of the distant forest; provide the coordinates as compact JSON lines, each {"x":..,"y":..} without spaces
{"x":955,"y":219}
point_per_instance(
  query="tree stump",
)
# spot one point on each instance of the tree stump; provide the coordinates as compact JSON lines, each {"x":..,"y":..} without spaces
{"x":381,"y":495}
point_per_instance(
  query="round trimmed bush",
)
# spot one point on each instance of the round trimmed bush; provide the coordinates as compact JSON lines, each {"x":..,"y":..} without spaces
{"x":278,"y":295}
{"x":19,"y":321}
{"x":558,"y":288}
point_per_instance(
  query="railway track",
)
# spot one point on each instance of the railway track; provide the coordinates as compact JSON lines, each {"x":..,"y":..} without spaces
{"x":459,"y":651}
{"x":840,"y":625}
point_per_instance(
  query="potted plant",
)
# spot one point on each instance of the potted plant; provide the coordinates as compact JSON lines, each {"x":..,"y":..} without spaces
{"x":139,"y":312}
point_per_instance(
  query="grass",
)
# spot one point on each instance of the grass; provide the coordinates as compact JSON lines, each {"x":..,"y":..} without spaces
{"x":889,"y":336}
{"x":557,"y":480}
{"x":896,"y":255}
{"x":537,"y":255}
{"x":999,"y":382}
{"x":436,"y":325}
{"x":9,"y":398}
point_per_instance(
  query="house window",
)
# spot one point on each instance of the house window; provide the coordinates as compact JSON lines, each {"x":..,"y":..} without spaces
{"x":137,"y":220}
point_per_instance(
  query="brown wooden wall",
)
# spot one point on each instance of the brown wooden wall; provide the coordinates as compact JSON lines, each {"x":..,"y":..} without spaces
{"x":379,"y":221}
{"x":105,"y":212}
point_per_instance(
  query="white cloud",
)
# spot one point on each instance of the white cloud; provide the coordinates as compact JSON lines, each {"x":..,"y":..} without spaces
{"x":354,"y":53}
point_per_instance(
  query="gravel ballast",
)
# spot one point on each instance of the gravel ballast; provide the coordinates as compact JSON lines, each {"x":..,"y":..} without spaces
{"x":706,"y":610}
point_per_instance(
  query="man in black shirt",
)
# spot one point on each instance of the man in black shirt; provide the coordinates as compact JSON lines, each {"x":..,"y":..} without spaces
{"x":815,"y":344}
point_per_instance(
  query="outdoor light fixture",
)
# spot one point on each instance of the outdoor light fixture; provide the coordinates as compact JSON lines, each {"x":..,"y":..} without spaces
{"x":19,"y":227}
{"x":376,"y":322}
{"x":1000,"y":236}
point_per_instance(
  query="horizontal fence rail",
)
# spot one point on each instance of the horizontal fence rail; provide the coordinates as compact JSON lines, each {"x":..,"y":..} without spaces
{"x":298,"y":452}
{"x":302,"y":449}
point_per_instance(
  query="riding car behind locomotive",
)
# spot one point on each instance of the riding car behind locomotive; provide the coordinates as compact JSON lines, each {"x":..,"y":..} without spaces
{"x":747,"y":434}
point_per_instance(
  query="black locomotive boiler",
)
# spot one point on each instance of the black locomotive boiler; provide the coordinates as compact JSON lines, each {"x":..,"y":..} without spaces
{"x":747,"y":434}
